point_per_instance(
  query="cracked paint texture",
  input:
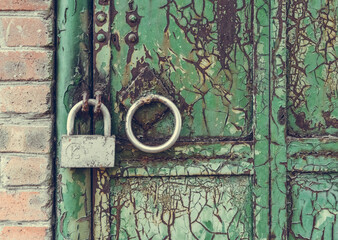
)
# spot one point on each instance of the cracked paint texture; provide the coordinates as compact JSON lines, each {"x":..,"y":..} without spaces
{"x":312,"y":68}
{"x":182,"y":208}
{"x":314,"y":206}
{"x":200,"y":52}
{"x":194,"y":159}
{"x":313,"y":155}
{"x":73,"y":193}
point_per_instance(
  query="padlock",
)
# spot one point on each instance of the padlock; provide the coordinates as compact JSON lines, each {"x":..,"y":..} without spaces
{"x":88,"y":151}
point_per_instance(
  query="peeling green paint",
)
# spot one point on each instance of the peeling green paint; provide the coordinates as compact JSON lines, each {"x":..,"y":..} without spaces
{"x":261,"y":131}
{"x":184,"y":47}
{"x":73,"y":194}
{"x":182,"y":208}
{"x":312,"y":68}
{"x":314,"y":207}
{"x":251,"y":79}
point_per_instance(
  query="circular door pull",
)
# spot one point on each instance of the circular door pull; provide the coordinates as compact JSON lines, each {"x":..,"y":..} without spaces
{"x":174,"y":136}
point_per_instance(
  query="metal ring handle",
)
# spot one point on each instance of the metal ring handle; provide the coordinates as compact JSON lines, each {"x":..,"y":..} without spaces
{"x":72,"y":114}
{"x":173,"y":138}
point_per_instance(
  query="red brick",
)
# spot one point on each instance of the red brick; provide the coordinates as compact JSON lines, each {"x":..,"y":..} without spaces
{"x":24,"y":171}
{"x":26,"y":233}
{"x":24,"y":5}
{"x":25,"y":31}
{"x":26,"y":65}
{"x":25,"y":139}
{"x":25,"y":98}
{"x":24,"y":206}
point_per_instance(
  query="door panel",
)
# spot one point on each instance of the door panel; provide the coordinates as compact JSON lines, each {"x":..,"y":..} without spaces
{"x":198,"y":53}
{"x":312,"y":144}
{"x":312,"y":72}
{"x":314,"y":206}
{"x":182,"y":208}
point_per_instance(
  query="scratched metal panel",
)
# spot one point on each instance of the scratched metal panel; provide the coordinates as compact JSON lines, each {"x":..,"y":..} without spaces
{"x":312,"y":68}
{"x":182,"y":208}
{"x":314,"y":206}
{"x":198,"y":53}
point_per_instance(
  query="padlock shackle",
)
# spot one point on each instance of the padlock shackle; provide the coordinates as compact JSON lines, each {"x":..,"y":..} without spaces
{"x":78,"y":106}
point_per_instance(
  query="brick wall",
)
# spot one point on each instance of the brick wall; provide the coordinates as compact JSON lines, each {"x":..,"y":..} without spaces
{"x":26,"y":119}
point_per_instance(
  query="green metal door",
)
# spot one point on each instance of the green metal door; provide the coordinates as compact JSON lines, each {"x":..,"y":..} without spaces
{"x":255,"y":84}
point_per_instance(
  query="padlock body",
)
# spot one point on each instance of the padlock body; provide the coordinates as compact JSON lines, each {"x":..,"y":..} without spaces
{"x":87,"y":151}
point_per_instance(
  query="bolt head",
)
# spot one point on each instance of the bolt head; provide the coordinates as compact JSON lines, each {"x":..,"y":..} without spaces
{"x":101,"y":17}
{"x":132,"y":38}
{"x":132,"y":18}
{"x":101,"y":37}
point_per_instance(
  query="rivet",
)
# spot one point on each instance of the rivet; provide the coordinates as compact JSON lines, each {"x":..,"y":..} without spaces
{"x":132,"y":37}
{"x":101,"y":37}
{"x":132,"y":18}
{"x":101,"y":17}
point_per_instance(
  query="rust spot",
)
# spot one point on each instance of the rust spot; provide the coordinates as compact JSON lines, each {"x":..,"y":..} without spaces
{"x":143,"y":80}
{"x":330,"y":121}
{"x":282,"y":115}
{"x":113,"y":11}
{"x":227,"y":28}
{"x":302,"y":122}
{"x":147,"y":52}
{"x":85,"y":106}
{"x":304,"y":155}
{"x":131,"y":42}
{"x":116,"y":41}
{"x":104,"y":2}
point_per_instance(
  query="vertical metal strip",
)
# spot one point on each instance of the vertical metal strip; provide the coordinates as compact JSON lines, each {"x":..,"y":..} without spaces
{"x":102,"y":19}
{"x":73,"y":199}
{"x":101,"y":208}
{"x":278,"y":119}
{"x":261,"y":120}
{"x":102,"y":49}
